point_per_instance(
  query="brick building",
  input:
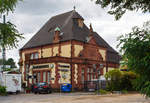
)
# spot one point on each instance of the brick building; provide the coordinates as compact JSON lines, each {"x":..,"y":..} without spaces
{"x":65,"y":50}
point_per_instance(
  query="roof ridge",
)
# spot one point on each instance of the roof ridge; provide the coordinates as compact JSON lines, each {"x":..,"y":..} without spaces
{"x":62,"y":14}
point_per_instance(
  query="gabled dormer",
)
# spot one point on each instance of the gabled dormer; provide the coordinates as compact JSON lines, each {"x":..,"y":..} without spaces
{"x":78,"y":19}
{"x":56,"y":38}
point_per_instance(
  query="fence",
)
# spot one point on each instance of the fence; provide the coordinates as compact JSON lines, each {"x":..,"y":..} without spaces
{"x":94,"y":85}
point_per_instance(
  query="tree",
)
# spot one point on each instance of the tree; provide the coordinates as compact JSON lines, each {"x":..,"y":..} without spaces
{"x":119,"y":7}
{"x":7,"y":5}
{"x":135,"y":47}
{"x":9,"y":35}
{"x":10,"y":62}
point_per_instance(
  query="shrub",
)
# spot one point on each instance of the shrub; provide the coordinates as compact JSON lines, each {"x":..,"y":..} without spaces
{"x":124,"y":91}
{"x":101,"y":91}
{"x":120,"y":80}
{"x":3,"y":90}
{"x":127,"y":80}
{"x":115,"y":80}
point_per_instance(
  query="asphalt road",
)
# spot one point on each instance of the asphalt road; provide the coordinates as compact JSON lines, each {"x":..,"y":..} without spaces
{"x":26,"y":98}
{"x":73,"y":98}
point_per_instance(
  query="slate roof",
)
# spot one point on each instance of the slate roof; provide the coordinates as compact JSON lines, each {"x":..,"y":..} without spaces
{"x":70,"y":31}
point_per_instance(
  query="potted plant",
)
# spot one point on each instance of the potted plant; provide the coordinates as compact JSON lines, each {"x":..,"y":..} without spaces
{"x":28,"y":90}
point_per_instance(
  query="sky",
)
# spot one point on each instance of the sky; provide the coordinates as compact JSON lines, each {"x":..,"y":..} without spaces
{"x":30,"y":15}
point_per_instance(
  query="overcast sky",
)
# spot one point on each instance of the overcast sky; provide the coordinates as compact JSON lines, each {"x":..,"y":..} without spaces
{"x":30,"y":15}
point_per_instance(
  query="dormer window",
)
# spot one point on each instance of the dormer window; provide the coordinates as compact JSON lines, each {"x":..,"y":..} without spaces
{"x":80,"y":23}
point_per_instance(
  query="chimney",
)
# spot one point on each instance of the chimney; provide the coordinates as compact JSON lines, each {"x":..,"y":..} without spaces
{"x":90,"y":36}
{"x":91,"y":30}
{"x":56,"y":35}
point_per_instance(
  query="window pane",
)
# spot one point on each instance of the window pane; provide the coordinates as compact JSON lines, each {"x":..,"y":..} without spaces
{"x":92,"y":70}
{"x":88,"y":77}
{"x":36,"y":56}
{"x":82,"y":70}
{"x":94,"y":76}
{"x":82,"y":78}
{"x":32,"y":56}
{"x":91,"y":76}
{"x":34,"y":80}
{"x":48,"y":77}
{"x":88,"y":70}
{"x":44,"y":76}
{"x":27,"y":71}
{"x":82,"y":75}
{"x":39,"y":77}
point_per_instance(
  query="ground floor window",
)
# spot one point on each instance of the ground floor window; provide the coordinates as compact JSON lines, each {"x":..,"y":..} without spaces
{"x":44,"y":76}
{"x":82,"y":75}
{"x":94,"y":75}
{"x":91,"y":76}
{"x":48,"y":77}
{"x":39,"y":77}
{"x":88,"y":77}
{"x":34,"y":78}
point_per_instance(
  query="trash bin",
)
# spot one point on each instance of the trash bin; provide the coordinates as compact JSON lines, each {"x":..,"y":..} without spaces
{"x":66,"y":87}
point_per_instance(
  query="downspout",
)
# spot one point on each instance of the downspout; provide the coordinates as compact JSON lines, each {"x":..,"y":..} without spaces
{"x":71,"y":66}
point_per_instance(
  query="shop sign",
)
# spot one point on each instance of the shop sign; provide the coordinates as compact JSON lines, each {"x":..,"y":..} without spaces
{"x":40,"y":66}
{"x":63,"y":70}
{"x":64,"y":66}
{"x":43,"y":66}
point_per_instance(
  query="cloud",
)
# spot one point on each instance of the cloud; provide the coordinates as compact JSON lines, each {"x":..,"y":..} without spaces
{"x":31,"y":15}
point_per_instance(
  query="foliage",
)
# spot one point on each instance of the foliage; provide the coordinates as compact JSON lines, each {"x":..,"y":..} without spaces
{"x":10,"y":62}
{"x":3,"y":90}
{"x":135,"y":47}
{"x":113,"y":74}
{"x":9,"y":35}
{"x":101,"y":91}
{"x":127,"y":80}
{"x":115,"y":80}
{"x":119,"y":7}
{"x":124,"y":91}
{"x":7,"y":5}
{"x":120,"y":80}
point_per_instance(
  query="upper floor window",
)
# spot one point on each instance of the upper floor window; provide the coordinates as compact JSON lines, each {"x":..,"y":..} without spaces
{"x":34,"y":55}
{"x":80,"y":23}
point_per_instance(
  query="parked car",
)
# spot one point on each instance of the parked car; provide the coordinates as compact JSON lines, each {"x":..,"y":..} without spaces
{"x":42,"y":87}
